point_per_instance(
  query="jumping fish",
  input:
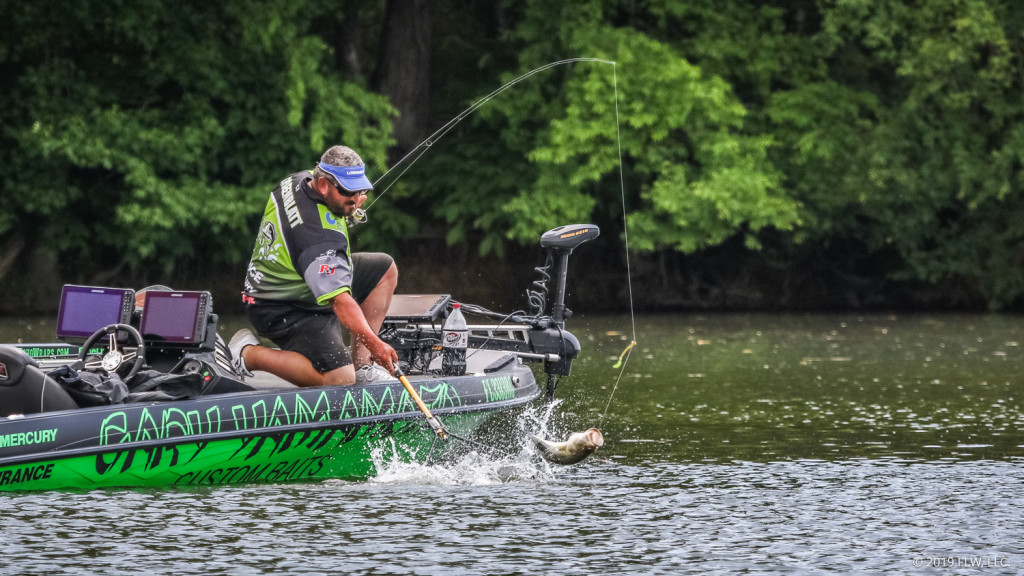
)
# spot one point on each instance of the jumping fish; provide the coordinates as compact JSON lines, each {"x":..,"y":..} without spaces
{"x":576,"y":448}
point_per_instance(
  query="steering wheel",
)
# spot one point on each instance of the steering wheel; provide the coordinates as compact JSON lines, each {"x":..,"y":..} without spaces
{"x":114,"y":358}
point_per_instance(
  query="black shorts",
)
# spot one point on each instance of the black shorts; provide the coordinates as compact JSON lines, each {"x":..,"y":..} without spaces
{"x":317,"y":334}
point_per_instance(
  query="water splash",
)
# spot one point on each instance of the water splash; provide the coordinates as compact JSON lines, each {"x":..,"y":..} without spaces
{"x":517,"y":462}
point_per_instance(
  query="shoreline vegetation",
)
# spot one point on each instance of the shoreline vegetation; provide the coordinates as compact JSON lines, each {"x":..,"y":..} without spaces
{"x":767,"y":154}
{"x":597,"y":282}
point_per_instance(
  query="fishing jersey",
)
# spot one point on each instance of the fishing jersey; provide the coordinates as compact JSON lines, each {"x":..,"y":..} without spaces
{"x":302,"y":254}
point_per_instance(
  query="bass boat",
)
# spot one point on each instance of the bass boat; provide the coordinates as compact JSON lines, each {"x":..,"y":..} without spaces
{"x":139,"y":390}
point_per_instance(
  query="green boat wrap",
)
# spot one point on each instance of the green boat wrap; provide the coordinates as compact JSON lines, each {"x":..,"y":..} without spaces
{"x":246,"y":437}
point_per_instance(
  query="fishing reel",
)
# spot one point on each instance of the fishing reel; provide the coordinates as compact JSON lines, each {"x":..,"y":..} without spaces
{"x":357,"y":217}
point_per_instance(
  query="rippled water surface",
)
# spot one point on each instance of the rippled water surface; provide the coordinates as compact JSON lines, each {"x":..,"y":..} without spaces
{"x":736,"y":444}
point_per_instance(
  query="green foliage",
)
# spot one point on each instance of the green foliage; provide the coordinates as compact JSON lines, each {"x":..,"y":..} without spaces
{"x":702,"y":177}
{"x":893,"y":125}
{"x":911,"y":144}
{"x":151,"y":123}
{"x":140,"y":134}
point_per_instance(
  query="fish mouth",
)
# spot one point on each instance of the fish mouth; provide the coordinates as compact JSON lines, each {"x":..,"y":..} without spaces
{"x":595,"y":437}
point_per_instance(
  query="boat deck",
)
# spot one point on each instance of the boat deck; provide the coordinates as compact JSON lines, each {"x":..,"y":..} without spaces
{"x":476,"y":363}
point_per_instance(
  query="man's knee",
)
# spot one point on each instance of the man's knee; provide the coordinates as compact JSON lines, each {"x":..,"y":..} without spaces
{"x":390,"y":278}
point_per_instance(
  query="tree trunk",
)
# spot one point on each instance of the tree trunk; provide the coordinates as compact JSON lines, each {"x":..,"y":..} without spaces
{"x":10,"y":252}
{"x":403,"y":73}
{"x":347,"y":37}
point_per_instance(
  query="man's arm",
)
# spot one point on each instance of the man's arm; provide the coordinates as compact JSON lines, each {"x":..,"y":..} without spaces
{"x":351,"y":317}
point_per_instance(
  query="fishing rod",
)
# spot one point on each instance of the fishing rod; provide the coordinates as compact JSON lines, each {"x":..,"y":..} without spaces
{"x":429,"y":141}
{"x":435,"y":424}
{"x":440,"y":432}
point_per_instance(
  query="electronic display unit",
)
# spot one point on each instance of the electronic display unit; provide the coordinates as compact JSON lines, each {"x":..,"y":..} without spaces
{"x":416,"y":307}
{"x":177,"y":318}
{"x":86,"y":309}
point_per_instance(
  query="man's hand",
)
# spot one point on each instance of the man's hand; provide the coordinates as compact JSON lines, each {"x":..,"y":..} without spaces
{"x":382,"y":353}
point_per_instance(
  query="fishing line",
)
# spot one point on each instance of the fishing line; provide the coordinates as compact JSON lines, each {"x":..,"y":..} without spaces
{"x":492,"y":450}
{"x":624,"y":356}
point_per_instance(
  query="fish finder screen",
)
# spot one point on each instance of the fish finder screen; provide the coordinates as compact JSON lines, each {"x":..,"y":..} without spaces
{"x":171,"y":316}
{"x":84,"y":310}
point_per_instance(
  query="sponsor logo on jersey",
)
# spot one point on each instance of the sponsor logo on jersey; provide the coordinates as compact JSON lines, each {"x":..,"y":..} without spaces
{"x":267,"y":233}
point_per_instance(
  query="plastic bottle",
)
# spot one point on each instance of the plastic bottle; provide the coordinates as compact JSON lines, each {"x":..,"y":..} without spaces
{"x":454,"y":339}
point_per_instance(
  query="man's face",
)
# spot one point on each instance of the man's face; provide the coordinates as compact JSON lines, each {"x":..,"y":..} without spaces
{"x":341,"y":202}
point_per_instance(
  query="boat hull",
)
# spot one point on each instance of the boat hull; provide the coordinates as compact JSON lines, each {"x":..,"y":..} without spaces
{"x":268,"y":436}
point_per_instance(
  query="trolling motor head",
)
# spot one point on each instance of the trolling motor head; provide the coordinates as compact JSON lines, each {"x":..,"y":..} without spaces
{"x":567,"y":238}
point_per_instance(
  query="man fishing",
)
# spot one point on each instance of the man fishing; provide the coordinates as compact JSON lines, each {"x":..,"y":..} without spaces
{"x":303,"y":284}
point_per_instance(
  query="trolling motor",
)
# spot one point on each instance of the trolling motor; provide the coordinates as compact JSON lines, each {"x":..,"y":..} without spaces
{"x":559,"y":243}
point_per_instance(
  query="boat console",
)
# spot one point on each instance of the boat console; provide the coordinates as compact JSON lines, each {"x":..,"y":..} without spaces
{"x":166,"y":318}
{"x":172,"y":324}
{"x":107,"y":330}
{"x":171,"y":331}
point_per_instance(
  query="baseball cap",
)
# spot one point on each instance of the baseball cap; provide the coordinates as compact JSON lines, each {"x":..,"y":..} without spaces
{"x":349,"y":177}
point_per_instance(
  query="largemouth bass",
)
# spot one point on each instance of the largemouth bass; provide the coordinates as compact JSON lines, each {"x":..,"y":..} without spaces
{"x":576,"y":448}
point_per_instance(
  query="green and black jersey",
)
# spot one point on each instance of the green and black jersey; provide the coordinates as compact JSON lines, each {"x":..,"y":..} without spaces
{"x":302,"y":254}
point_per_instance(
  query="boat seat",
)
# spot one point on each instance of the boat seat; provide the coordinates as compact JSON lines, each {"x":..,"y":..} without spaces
{"x":25,"y":388}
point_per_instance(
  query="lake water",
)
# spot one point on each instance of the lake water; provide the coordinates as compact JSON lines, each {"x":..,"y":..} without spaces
{"x":735,"y":444}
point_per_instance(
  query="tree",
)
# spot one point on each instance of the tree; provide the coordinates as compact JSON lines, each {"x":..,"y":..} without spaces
{"x":156,"y":129}
{"x":908,"y":143}
{"x":403,"y":71}
{"x":546,"y":151}
{"x":864,"y":140}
